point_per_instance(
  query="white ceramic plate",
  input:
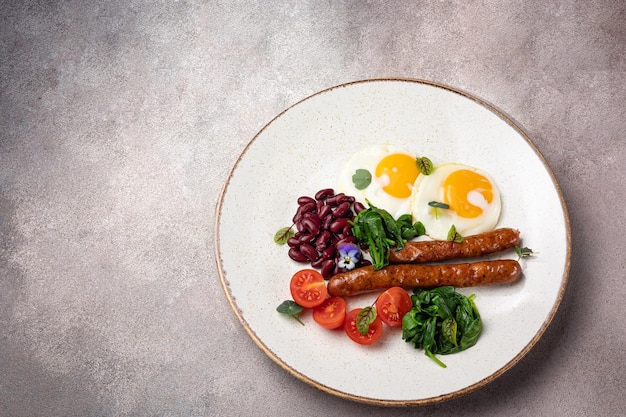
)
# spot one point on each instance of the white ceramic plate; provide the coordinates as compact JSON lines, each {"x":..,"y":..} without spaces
{"x":302,"y":151}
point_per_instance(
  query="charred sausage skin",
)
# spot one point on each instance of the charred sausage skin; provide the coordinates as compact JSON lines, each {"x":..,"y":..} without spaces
{"x":408,"y":276}
{"x":472,"y":247}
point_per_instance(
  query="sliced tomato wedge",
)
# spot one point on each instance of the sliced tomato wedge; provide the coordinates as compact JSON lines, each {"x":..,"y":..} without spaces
{"x":308,"y":288}
{"x":374,"y":332}
{"x":392,"y":305}
{"x":331,"y":313}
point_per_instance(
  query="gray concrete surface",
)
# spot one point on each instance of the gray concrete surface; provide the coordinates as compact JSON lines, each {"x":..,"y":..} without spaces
{"x":119,"y":123}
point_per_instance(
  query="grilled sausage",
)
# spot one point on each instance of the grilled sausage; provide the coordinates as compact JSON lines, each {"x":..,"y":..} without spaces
{"x":408,"y":276}
{"x":472,"y":246}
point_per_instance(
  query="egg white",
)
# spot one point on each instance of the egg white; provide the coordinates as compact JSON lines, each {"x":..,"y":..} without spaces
{"x":429,"y":188}
{"x":368,"y":158}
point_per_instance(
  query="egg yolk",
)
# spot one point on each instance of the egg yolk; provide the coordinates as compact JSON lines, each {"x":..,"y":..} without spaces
{"x":398,"y":173}
{"x":457,"y":188}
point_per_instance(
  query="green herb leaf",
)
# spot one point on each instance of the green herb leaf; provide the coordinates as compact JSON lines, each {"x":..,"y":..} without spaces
{"x":425,"y":165}
{"x":454,"y":236}
{"x":290,"y":308}
{"x":361,"y":179}
{"x":437,"y":204}
{"x":283,"y":235}
{"x":523,"y":252}
{"x":365,"y":317}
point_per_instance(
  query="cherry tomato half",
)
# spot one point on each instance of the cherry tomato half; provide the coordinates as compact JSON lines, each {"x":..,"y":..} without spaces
{"x":331,"y":313}
{"x":308,"y":288}
{"x":374,"y":333}
{"x":392,"y":305}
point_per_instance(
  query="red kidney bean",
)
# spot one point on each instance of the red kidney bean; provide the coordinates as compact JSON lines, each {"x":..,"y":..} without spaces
{"x":318,"y":263}
{"x":293,"y":242}
{"x":313,"y":217}
{"x":322,"y":194}
{"x":328,"y":268}
{"x":347,"y":231}
{"x":324,"y":211}
{"x":305,"y":200}
{"x":344,"y":240}
{"x":326,"y":222}
{"x":309,"y":251}
{"x":302,"y":210}
{"x":358,"y":207}
{"x":312,"y":226}
{"x":305,"y":208}
{"x":306,"y":237}
{"x":322,"y":241}
{"x":342,"y":198}
{"x":341,"y":210}
{"x":297,"y":256}
{"x":333,"y":199}
{"x":339,"y":225}
{"x":329,"y":252}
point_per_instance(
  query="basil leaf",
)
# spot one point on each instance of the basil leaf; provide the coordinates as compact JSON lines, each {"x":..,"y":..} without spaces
{"x":361,"y":179}
{"x":290,"y":308}
{"x":283,"y":235}
{"x":365,"y":317}
{"x":424,"y":165}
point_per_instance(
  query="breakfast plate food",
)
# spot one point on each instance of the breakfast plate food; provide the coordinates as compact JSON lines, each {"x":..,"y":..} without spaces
{"x":317,"y":146}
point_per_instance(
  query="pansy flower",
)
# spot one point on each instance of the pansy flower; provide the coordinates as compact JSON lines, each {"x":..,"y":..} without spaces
{"x":349,"y":256}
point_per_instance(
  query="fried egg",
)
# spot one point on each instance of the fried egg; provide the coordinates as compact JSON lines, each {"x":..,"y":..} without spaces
{"x":393,"y":172}
{"x":470,"y":193}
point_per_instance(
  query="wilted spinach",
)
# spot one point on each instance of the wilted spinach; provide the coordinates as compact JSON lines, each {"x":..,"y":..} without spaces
{"x":442,"y":321}
{"x":380,"y":232}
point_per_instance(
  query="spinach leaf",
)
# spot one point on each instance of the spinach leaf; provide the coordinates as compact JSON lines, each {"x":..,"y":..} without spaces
{"x":442,"y":321}
{"x":380,"y":232}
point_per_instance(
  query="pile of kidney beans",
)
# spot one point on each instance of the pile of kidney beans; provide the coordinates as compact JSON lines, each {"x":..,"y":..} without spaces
{"x":322,"y":226}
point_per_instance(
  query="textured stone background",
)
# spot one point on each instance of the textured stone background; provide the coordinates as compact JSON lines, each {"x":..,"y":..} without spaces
{"x":119,"y":123}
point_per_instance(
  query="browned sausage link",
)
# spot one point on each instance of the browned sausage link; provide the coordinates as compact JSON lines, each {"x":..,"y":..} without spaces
{"x":408,"y":276}
{"x":472,"y":246}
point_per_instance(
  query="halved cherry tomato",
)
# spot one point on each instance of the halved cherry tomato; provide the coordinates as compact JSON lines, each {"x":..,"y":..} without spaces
{"x":392,"y":305}
{"x":374,"y":333}
{"x":308,"y":288}
{"x":331,"y":313}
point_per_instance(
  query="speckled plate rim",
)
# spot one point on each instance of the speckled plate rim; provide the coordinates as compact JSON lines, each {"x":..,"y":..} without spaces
{"x":383,"y":402}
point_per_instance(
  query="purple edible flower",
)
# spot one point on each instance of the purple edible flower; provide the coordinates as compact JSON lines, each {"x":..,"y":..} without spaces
{"x":349,"y":256}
